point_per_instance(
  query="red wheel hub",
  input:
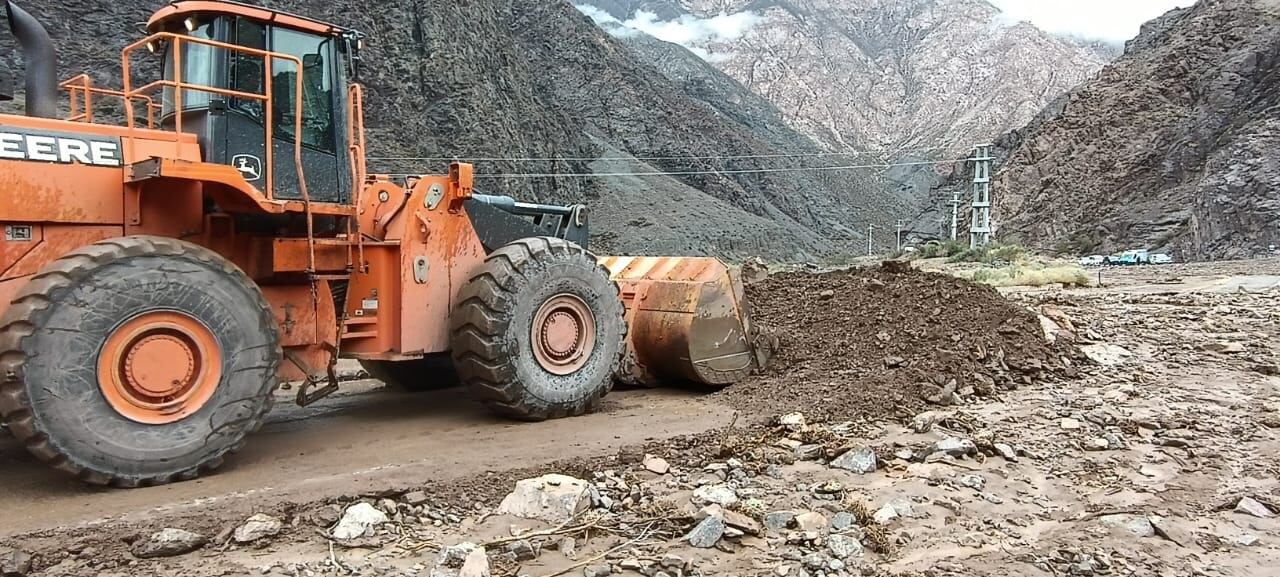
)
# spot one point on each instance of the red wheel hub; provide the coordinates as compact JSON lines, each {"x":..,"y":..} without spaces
{"x":159,"y":367}
{"x":564,"y":334}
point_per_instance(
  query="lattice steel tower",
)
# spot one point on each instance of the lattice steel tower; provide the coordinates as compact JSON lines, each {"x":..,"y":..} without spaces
{"x":980,"y":229}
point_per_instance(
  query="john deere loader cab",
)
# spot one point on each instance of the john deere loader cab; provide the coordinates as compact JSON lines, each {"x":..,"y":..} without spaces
{"x":233,"y":127}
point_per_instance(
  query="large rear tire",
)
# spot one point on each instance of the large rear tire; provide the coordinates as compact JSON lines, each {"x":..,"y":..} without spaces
{"x":429,"y":373}
{"x":539,"y":330}
{"x":137,"y":361}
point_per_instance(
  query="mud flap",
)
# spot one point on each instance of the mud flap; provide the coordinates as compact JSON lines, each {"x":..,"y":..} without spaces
{"x":687,"y":321}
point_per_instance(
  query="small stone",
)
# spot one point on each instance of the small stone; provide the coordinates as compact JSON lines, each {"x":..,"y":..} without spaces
{"x":826,"y":295}
{"x":1006,"y":452}
{"x":841,"y":521}
{"x":894,"y":362}
{"x":1250,"y":506}
{"x":358,"y":520}
{"x":975,"y":482}
{"x":258,"y":527}
{"x":808,"y":452}
{"x":1247,"y":540}
{"x":814,"y":561}
{"x":168,"y":543}
{"x":885,"y":515}
{"x":904,"y":454}
{"x":14,"y":562}
{"x":601,"y":570}
{"x":860,"y":459}
{"x":630,"y":564}
{"x":1136,"y":524}
{"x":569,"y":547}
{"x":955,"y":447}
{"x":1097,"y":444}
{"x":672,"y":561}
{"x":1069,"y":424}
{"x":722,"y":495}
{"x":811,"y":521}
{"x":1105,"y":354}
{"x":1228,"y":348}
{"x":924,"y":422}
{"x":552,"y":498}
{"x":843,"y":546}
{"x":522,"y":549}
{"x":656,"y":465}
{"x":415,"y":498}
{"x":737,"y":520}
{"x":476,"y":564}
{"x":835,"y":565}
{"x":707,"y":533}
{"x":992,"y":498}
{"x":793,"y":422}
{"x":778,"y":520}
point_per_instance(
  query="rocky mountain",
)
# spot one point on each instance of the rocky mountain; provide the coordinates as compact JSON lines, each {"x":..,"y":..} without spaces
{"x":883,"y":75}
{"x":513,"y":79}
{"x":1172,"y":147}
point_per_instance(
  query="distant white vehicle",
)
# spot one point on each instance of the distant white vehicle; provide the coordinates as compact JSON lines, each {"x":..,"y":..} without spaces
{"x":1161,"y":259}
{"x":1093,"y":260}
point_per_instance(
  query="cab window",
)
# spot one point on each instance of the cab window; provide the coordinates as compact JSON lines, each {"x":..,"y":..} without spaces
{"x":316,"y":54}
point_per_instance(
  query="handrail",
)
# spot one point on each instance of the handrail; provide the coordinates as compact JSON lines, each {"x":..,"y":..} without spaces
{"x":83,"y":85}
{"x":180,"y":86}
{"x":356,"y":145}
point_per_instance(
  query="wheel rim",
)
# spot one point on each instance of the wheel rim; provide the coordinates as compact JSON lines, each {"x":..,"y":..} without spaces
{"x":564,"y":334}
{"x":159,"y":367}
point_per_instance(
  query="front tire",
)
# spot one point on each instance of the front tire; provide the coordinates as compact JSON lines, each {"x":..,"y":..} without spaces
{"x":137,"y":361}
{"x":539,"y":330}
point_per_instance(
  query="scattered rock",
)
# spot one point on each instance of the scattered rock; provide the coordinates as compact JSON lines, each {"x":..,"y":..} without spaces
{"x":1105,"y":354}
{"x":522,"y":549}
{"x":601,"y":570}
{"x":885,"y":515}
{"x":1228,"y":348}
{"x":1139,"y":525}
{"x":707,"y":532}
{"x":793,"y":422}
{"x":924,"y":422}
{"x":955,"y":447}
{"x":808,"y":452}
{"x":1006,"y":452}
{"x":1269,"y":369}
{"x":1250,"y":506}
{"x":14,"y":562}
{"x":672,"y":561}
{"x":737,"y":520}
{"x":1097,"y":444}
{"x":841,"y":521}
{"x":462,"y":560}
{"x":860,"y":459}
{"x":656,"y":465}
{"x":552,"y":498}
{"x":1247,"y":540}
{"x":975,"y":482}
{"x":810,"y":521}
{"x":258,"y":527}
{"x":168,"y":543}
{"x":894,"y":362}
{"x":778,"y":520}
{"x":569,"y":547}
{"x":415,"y":498}
{"x":843,"y":546}
{"x":826,"y":295}
{"x":358,"y":520}
{"x":722,"y":495}
{"x":1069,"y":424}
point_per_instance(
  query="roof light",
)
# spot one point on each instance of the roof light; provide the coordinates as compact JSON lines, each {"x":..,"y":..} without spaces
{"x":190,"y":23}
{"x":151,"y":46}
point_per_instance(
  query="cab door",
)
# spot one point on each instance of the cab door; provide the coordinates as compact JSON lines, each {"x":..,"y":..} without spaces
{"x":323,"y":113}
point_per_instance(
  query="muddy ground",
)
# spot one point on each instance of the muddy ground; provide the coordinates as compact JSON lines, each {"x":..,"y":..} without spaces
{"x":1142,"y":441}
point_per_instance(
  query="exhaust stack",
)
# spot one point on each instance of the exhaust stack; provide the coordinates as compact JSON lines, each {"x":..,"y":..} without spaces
{"x":41,"y":60}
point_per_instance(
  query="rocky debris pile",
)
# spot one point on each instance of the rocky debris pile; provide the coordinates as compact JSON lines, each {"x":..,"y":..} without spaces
{"x":886,"y":341}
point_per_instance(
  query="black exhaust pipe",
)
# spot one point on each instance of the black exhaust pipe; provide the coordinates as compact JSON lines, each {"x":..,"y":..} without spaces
{"x":41,"y":59}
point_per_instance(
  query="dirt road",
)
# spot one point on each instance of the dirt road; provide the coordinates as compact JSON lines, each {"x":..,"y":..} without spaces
{"x":363,"y":441}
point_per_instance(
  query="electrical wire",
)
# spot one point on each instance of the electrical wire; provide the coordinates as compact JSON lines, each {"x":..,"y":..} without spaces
{"x":704,"y":172}
{"x":622,"y":158}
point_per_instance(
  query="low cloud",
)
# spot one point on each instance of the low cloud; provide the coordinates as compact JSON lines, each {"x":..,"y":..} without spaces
{"x":1112,"y":21}
{"x":689,"y":31}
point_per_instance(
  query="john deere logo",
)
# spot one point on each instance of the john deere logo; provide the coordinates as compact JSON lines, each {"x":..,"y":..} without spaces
{"x":250,"y":166}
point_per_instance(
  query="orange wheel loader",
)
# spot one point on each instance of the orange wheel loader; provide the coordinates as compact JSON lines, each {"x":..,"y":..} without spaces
{"x":174,"y":249}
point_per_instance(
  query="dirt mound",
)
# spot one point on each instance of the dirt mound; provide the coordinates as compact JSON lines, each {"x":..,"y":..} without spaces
{"x":886,"y":341}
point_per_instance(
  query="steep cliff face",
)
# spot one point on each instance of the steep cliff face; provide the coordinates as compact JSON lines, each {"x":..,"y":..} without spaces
{"x":888,"y":75}
{"x":519,"y":80}
{"x":1172,"y":147}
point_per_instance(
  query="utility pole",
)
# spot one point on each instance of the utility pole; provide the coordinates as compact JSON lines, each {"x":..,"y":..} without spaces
{"x":980,"y":229}
{"x":869,"y":227}
{"x":955,"y":214}
{"x":899,"y":225}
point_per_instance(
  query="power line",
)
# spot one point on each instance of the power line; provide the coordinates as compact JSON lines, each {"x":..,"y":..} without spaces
{"x":624,"y":158}
{"x":705,"y":172}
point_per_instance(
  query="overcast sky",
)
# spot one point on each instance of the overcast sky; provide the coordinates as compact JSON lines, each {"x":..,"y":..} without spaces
{"x":1109,"y":20}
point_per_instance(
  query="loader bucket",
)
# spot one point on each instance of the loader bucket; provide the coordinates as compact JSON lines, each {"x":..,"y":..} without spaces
{"x":687,"y":321}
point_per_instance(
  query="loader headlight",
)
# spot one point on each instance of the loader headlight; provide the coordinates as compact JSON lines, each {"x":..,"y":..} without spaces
{"x":190,"y":24}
